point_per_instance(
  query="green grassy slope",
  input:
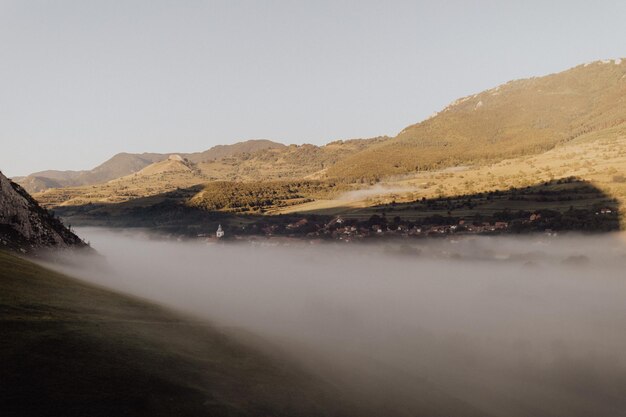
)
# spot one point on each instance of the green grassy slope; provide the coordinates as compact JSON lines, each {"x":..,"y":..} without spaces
{"x":71,"y":349}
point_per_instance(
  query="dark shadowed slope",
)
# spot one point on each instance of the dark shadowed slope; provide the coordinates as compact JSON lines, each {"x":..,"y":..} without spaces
{"x":70,"y":349}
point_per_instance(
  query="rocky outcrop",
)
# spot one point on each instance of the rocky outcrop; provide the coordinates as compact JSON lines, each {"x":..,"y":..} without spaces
{"x":26,"y":226}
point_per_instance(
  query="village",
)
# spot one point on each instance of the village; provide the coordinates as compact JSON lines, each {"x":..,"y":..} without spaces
{"x":338,"y":228}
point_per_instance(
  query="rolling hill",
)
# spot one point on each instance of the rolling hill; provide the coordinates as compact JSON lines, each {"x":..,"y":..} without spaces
{"x":223,"y":151}
{"x":68,"y":348}
{"x":515,"y":135}
{"x":118,"y":166}
{"x":272,"y":163}
{"x":522,"y":117}
{"x":174,"y":163}
{"x":124,"y":164}
{"x":291,"y":162}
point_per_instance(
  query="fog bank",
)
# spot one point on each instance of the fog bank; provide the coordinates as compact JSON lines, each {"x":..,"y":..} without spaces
{"x":506,"y":326}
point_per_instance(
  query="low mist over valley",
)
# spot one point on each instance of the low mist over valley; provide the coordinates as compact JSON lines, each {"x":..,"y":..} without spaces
{"x":497,"y":326}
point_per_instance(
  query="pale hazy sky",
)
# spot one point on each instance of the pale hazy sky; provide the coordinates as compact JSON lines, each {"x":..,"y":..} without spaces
{"x":82,"y":80}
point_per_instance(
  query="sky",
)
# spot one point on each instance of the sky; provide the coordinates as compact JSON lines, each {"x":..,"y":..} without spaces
{"x":83,"y":80}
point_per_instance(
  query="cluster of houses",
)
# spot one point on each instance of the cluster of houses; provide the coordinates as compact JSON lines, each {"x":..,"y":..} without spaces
{"x":338,"y":228}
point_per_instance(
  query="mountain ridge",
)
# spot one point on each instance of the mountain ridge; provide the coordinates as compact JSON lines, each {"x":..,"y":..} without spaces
{"x":519,"y":118}
{"x":125,"y":163}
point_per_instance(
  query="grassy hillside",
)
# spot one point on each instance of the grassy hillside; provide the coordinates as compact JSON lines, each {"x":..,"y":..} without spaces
{"x":35,"y":183}
{"x":291,"y":162}
{"x":118,"y":166}
{"x":596,"y":158}
{"x":71,"y":349}
{"x":521,"y":117}
{"x":254,"y":197}
{"x":155,"y":179}
{"x":224,"y":151}
{"x":286,"y":163}
{"x":124,"y":164}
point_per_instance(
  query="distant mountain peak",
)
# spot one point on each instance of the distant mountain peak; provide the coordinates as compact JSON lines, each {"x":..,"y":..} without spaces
{"x":125,"y":163}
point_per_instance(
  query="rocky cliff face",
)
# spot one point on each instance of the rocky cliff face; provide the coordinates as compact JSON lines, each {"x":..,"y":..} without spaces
{"x":26,"y":226}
